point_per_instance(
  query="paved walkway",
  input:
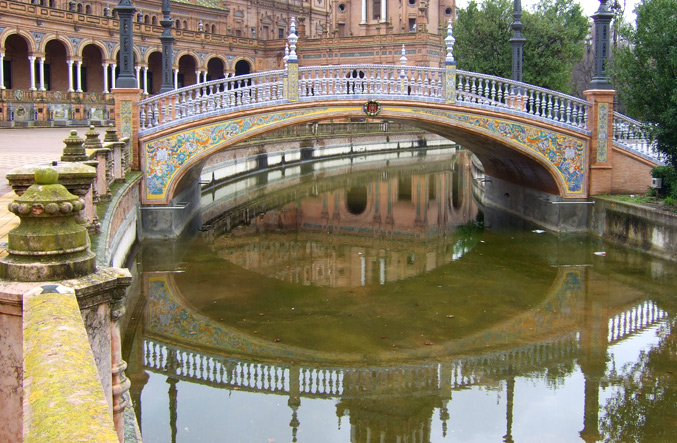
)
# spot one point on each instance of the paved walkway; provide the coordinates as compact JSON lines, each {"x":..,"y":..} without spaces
{"x":20,"y":147}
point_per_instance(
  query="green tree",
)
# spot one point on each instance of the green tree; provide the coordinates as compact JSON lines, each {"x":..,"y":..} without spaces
{"x":646,"y":72}
{"x":555,"y":33}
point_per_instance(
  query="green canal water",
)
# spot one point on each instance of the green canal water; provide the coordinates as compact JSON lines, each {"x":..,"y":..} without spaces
{"x":371,"y":303}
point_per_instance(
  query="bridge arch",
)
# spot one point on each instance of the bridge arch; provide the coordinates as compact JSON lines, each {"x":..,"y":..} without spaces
{"x":527,"y":152}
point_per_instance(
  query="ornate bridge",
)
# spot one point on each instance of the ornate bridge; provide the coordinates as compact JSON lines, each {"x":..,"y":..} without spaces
{"x":524,"y":134}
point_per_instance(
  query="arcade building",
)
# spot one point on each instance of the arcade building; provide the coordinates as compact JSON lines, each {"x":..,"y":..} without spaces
{"x":59,"y":58}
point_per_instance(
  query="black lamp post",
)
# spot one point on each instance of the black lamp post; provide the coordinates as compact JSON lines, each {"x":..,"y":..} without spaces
{"x":126,"y":78}
{"x":602,"y":19}
{"x":517,"y":41}
{"x":167,"y":41}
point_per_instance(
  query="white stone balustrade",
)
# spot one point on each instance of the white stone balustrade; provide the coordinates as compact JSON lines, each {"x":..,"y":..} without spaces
{"x":635,"y":136}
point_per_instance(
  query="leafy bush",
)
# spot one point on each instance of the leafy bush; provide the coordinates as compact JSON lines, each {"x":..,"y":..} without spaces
{"x":669,"y":177}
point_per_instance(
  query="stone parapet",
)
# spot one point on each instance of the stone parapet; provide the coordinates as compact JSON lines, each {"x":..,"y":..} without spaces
{"x":67,"y":378}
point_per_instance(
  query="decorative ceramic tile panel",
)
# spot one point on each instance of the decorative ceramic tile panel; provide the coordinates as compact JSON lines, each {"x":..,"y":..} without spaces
{"x":165,"y":156}
{"x":565,"y":153}
{"x":602,"y":132}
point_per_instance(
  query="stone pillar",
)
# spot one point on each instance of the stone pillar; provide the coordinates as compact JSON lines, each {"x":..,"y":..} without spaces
{"x":118,"y":154}
{"x":31,"y":68}
{"x":41,"y":70}
{"x":50,"y":244}
{"x":450,"y":68}
{"x":2,"y":70}
{"x":292,"y":93}
{"x":70,"y":76}
{"x":79,"y":77}
{"x":105,"y":78}
{"x":600,"y":123}
{"x":145,"y":80}
{"x":112,"y":75}
{"x":127,"y":118}
{"x":93,"y":144}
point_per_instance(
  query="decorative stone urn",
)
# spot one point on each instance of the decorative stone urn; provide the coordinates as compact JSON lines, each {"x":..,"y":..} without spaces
{"x":49,"y":243}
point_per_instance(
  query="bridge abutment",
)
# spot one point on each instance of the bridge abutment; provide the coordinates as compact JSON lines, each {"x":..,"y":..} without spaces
{"x":600,"y":122}
{"x":127,"y":119}
{"x":547,"y":210}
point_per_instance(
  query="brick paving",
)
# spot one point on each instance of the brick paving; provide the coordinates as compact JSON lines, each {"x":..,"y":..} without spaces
{"x":20,"y":147}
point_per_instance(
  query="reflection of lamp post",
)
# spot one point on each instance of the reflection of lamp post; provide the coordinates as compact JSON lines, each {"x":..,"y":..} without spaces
{"x":126,"y":78}
{"x":602,"y":19}
{"x":167,"y":41}
{"x":517,"y":41}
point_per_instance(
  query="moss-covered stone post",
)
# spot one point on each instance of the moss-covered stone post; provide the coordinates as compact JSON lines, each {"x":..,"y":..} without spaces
{"x":51,"y":245}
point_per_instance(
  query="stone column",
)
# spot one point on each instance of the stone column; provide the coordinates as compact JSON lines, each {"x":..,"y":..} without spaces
{"x":112,"y":76}
{"x":41,"y":71}
{"x":176,"y":78}
{"x":2,"y":70}
{"x":70,"y":75}
{"x":105,"y":78}
{"x":145,"y":80}
{"x":384,"y":11}
{"x":79,"y":77}
{"x":138,"y":76}
{"x":363,"y":21}
{"x":31,"y":69}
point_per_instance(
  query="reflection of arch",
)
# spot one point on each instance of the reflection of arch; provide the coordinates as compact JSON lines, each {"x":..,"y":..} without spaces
{"x":171,"y":316}
{"x":356,"y":200}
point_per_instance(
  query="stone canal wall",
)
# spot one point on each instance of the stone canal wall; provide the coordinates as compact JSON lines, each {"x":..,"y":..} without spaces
{"x":640,"y":227}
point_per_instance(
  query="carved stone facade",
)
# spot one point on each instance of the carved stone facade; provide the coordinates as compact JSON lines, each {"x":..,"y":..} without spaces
{"x":59,"y":58}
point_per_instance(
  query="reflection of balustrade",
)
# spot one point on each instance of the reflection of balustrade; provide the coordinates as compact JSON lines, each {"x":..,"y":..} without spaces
{"x":420,"y":379}
{"x":328,"y":382}
{"x":636,"y":319}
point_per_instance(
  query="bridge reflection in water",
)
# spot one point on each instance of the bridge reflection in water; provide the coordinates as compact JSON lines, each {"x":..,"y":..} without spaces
{"x":558,"y":315}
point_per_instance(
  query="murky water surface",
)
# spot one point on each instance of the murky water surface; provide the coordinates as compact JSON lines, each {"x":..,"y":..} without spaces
{"x":387,"y":305}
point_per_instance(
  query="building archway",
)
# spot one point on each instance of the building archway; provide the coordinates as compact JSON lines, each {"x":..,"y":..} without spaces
{"x":187,"y":68}
{"x":155,"y":72}
{"x":92,"y":70}
{"x":242,"y":67}
{"x":16,"y":66}
{"x":215,"y":69}
{"x":55,"y":67}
